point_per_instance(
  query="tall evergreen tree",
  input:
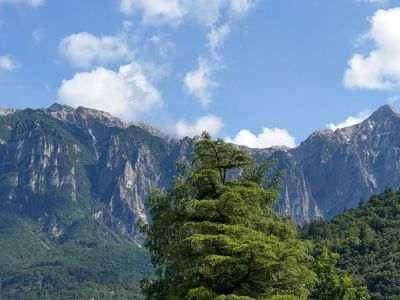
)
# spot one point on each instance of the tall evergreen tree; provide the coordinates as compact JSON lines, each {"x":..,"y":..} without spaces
{"x":215,"y":235}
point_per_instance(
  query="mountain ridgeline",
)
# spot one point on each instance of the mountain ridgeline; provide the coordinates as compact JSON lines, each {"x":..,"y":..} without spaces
{"x":88,"y":162}
{"x":332,"y":170}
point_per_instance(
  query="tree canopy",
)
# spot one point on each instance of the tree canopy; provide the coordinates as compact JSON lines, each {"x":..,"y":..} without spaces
{"x":367,"y":240}
{"x":334,"y":283}
{"x":215,"y":235}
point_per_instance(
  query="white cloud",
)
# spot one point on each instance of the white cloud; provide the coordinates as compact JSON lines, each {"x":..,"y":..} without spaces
{"x":125,"y":93}
{"x":217,"y":36}
{"x":7,"y":63}
{"x":350,"y":121}
{"x":210,"y":123}
{"x":205,"y":13}
{"x":241,"y":7}
{"x":380,"y":69}
{"x":198,"y":83}
{"x":155,"y":11}
{"x":155,"y":72}
{"x":174,"y":12}
{"x":84,"y":49}
{"x":34,"y":3}
{"x":269,"y":137}
{"x":216,"y":17}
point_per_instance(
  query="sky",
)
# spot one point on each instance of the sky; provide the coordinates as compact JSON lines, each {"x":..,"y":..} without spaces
{"x":260,"y":73}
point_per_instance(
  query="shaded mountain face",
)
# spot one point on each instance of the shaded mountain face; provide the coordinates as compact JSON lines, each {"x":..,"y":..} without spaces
{"x":59,"y":164}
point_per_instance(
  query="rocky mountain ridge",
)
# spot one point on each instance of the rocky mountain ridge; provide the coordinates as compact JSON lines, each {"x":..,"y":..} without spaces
{"x":59,"y":163}
{"x":333,"y":170}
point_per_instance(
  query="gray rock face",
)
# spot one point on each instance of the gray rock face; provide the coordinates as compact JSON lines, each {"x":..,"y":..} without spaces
{"x":331,"y":171}
{"x":61,"y":162}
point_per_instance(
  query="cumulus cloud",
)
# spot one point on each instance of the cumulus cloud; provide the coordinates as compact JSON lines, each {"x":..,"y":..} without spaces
{"x":210,"y":123}
{"x":350,"y":121}
{"x":198,"y":83}
{"x":380,"y":69}
{"x":269,"y":137}
{"x":33,"y":3}
{"x":7,"y":63}
{"x":125,"y":93}
{"x":84,"y":49}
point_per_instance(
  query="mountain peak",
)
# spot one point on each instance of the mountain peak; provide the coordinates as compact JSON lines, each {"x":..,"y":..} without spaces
{"x":384,"y":112}
{"x":59,"y":107}
{"x":71,"y":115}
{"x":94,"y":112}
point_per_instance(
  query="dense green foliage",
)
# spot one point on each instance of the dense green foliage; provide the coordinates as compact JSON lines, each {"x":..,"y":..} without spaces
{"x":215,"y":235}
{"x":367,"y":239}
{"x":89,"y":262}
{"x":334,"y":283}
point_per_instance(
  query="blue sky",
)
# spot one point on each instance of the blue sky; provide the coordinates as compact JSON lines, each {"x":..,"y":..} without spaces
{"x":261,"y":72}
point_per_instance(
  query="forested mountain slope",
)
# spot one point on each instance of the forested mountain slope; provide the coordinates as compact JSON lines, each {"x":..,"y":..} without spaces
{"x":367,"y":239}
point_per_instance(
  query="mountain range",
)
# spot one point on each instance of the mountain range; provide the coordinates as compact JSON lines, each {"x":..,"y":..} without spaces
{"x":74,"y":183}
{"x":100,"y":165}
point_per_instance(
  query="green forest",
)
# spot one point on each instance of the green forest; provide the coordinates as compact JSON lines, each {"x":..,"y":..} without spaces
{"x":367,"y":242}
{"x":91,"y":262}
